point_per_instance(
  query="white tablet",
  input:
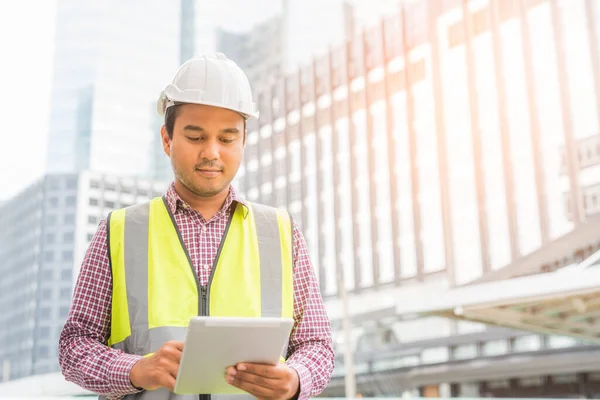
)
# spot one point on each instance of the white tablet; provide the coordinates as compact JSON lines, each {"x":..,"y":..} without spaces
{"x":214,"y":343}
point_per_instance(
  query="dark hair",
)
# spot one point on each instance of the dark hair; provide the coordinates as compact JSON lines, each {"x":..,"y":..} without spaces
{"x":171,"y":114}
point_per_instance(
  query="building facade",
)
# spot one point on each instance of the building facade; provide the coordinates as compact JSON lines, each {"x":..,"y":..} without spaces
{"x":444,"y":144}
{"x":45,"y":231}
{"x":107,"y":76}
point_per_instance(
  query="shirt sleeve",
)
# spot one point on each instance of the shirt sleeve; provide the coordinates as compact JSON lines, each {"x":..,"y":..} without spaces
{"x":84,"y":356}
{"x":311,"y":351}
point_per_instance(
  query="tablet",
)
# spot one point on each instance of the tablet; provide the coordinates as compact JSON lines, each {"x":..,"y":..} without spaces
{"x":214,"y":343}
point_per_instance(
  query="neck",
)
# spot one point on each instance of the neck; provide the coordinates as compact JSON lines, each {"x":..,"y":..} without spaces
{"x":207,"y":206}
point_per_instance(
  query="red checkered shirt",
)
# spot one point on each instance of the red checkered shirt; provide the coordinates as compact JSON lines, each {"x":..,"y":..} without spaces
{"x":85,"y":358}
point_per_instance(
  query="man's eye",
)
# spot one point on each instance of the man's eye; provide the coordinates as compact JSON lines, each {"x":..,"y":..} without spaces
{"x":226,"y":140}
{"x":194,"y":139}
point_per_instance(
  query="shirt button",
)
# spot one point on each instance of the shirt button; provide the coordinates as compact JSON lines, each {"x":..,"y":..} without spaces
{"x":206,"y":266}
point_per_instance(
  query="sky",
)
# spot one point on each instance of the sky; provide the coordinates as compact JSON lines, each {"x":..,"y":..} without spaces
{"x":27,"y":48}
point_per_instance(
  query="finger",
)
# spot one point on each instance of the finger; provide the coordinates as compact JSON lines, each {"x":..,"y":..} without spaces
{"x":268,"y":371}
{"x":169,"y":367}
{"x":172,"y":351}
{"x":230,"y":372}
{"x":258,"y":380}
{"x":168,"y":382}
{"x":177,"y":344}
{"x":253,"y":389}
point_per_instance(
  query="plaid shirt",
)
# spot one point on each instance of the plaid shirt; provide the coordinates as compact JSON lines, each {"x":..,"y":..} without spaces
{"x":86,"y":360}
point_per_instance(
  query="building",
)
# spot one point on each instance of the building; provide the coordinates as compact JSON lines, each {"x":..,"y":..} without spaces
{"x":45,"y":231}
{"x":103,"y":112}
{"x":159,"y":163}
{"x":287,"y":39}
{"x":470,"y":154}
{"x":258,"y":52}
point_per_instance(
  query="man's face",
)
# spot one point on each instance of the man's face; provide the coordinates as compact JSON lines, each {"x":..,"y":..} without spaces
{"x":206,"y":149}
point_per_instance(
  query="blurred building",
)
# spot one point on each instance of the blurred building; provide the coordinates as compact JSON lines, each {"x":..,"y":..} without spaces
{"x":107,"y":76}
{"x":45,"y":231}
{"x":453,"y":142}
{"x":258,"y":52}
{"x":289,"y":38}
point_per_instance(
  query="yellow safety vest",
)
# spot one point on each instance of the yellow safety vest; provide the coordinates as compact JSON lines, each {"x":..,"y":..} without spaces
{"x":155,"y":288}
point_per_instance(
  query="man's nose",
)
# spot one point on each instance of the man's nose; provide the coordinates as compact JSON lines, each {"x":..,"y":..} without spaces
{"x":210,"y":150}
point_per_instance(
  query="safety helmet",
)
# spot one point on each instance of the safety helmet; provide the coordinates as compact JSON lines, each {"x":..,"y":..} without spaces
{"x":212,"y":80}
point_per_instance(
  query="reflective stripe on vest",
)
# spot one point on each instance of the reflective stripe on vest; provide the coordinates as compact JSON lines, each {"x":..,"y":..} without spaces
{"x":155,"y":288}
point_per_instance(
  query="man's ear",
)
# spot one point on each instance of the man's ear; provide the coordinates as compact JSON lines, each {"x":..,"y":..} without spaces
{"x":166,"y":141}
{"x":245,"y":136}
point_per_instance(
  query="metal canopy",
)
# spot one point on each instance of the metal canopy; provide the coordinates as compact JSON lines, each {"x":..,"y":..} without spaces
{"x":565,"y":302}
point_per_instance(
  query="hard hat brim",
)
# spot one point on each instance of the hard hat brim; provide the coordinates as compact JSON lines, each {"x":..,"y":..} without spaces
{"x":165,"y":101}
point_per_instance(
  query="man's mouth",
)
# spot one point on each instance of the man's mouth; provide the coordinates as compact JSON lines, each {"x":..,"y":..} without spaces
{"x":209,"y":173}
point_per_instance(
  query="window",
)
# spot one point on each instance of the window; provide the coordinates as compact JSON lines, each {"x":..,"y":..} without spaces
{"x":53,"y":202}
{"x":527,"y":343}
{"x":109,"y":204}
{"x":90,"y":236}
{"x":93,"y":202}
{"x":495,"y":347}
{"x":65,"y":274}
{"x":69,"y":219}
{"x":465,"y":351}
{"x":72,"y":183}
{"x":94,"y":184}
{"x":50,"y":238}
{"x":51,"y":220}
{"x":67,"y":255}
{"x":68,"y":237}
{"x":70,"y":201}
{"x":64,"y":312}
{"x":44,"y":332}
{"x":65,"y":294}
{"x":92,"y":219}
{"x":53,"y":184}
{"x":46,"y":294}
{"x":110,"y":187}
{"x":49,"y":256}
{"x":43,"y":352}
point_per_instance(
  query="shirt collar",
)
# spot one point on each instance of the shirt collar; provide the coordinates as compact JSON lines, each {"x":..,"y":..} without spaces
{"x":175,"y":202}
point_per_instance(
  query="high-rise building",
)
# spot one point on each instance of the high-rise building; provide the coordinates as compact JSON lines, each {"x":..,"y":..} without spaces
{"x":108,"y":73}
{"x":258,"y":52}
{"x":446,"y":143}
{"x":45,"y":231}
{"x":285,"y":41}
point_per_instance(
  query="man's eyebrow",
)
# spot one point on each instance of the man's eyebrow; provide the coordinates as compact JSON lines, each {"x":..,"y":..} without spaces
{"x":200,"y":129}
{"x":193,"y":128}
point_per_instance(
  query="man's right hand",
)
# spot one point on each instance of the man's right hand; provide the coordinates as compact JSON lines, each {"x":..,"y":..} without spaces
{"x":158,"y":370}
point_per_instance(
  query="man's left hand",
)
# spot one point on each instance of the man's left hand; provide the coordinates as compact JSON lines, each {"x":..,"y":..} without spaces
{"x":265,"y":382}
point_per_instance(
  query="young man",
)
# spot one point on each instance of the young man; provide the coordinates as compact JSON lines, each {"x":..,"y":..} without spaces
{"x":199,"y":250}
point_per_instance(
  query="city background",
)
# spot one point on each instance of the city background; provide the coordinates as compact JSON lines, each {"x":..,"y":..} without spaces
{"x":442,"y":158}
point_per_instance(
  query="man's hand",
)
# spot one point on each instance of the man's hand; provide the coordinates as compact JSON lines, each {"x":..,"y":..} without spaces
{"x":159,"y":370}
{"x":265,"y":382}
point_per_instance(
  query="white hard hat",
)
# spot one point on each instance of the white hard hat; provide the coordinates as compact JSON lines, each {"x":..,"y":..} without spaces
{"x":212,"y":80}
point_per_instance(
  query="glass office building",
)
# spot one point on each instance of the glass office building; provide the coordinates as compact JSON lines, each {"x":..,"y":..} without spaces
{"x":108,"y":73}
{"x":445,"y":143}
{"x":45,"y":231}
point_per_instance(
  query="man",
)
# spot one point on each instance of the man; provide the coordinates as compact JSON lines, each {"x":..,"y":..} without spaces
{"x":199,"y":250}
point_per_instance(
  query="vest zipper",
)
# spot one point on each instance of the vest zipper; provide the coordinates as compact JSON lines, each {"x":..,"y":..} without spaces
{"x":203,"y":306}
{"x":203,"y":303}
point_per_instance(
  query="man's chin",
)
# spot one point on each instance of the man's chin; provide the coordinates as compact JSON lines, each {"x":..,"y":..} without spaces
{"x":209,"y":191}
